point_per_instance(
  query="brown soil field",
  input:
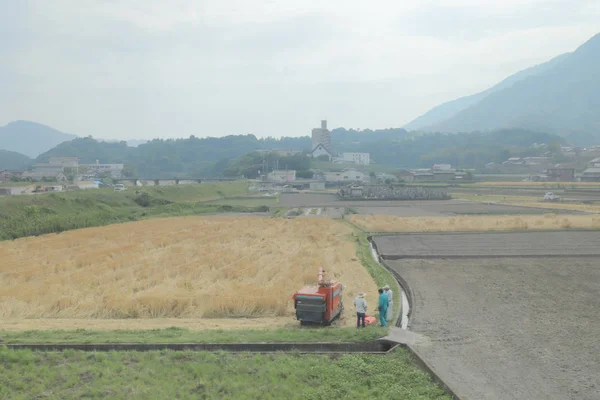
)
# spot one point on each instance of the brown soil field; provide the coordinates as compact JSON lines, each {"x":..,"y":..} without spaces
{"x":505,"y":244}
{"x":508,"y":328}
{"x":383,"y":223}
{"x":188,"y":268}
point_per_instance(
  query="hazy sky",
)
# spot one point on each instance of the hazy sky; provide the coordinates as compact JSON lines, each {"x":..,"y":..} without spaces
{"x":134,"y":69}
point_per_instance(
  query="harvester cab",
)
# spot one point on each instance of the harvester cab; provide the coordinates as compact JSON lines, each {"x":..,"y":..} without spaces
{"x":319,"y":304}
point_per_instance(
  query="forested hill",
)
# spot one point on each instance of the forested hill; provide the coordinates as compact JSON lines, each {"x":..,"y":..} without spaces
{"x":11,"y":160}
{"x":172,"y":157}
{"x":216,"y":156}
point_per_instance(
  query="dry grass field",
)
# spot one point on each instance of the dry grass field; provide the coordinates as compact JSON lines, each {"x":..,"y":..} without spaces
{"x":384,"y":223}
{"x":189,"y":268}
{"x":527,"y":201}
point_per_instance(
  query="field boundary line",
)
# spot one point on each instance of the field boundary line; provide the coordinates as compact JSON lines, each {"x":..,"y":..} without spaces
{"x":371,"y":347}
{"x":419,"y":360}
{"x":492,"y":232}
{"x":396,"y":257}
{"x":371,"y":265}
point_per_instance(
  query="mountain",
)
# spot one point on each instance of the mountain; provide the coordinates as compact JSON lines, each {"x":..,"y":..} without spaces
{"x":88,"y":150}
{"x":14,"y":161}
{"x":451,"y":108}
{"x":562,"y":98}
{"x":30,"y":138}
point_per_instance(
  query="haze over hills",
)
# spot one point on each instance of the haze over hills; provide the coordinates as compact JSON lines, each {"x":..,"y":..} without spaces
{"x":449,"y":109}
{"x":14,"y":161}
{"x":30,"y":138}
{"x":561,"y":97}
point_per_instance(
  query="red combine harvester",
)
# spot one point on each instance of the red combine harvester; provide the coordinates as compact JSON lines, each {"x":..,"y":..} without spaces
{"x":319,"y":304}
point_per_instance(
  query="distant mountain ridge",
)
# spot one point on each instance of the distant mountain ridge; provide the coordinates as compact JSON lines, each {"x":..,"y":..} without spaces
{"x":561,"y":97}
{"x":31,"y":138}
{"x":450,"y":108}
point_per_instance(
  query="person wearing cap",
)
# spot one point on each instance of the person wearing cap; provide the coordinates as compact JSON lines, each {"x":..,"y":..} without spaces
{"x":383,"y":307}
{"x":361,"y":309}
{"x":390,"y":295}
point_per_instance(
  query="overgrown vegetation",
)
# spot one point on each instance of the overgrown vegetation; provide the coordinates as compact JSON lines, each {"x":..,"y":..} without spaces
{"x":380,"y":275}
{"x":207,"y":375}
{"x":22,"y":216}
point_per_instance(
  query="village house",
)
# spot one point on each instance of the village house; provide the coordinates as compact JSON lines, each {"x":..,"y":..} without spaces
{"x":347,"y":175}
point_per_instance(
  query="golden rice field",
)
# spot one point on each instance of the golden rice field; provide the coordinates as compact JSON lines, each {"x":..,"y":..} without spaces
{"x":385,"y":223}
{"x":190,"y":268}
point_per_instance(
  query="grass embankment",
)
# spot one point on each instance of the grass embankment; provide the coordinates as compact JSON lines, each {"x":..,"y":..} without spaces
{"x":474,"y":223}
{"x":380,"y":275}
{"x":197,"y":267}
{"x":179,"y":335}
{"x":201,"y":375}
{"x":29,"y":215}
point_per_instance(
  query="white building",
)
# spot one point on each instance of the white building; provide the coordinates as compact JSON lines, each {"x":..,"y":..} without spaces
{"x":356,"y":158}
{"x":442,"y":167}
{"x":114,"y":170}
{"x":348,"y":175}
{"x":69,"y":162}
{"x":282,"y":176}
{"x":322,"y":136}
{"x":320,"y":150}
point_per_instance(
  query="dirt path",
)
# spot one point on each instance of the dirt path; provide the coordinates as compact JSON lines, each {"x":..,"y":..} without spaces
{"x":509,"y":328}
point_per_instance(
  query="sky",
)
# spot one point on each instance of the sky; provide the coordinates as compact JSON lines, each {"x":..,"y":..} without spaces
{"x":142,"y":69}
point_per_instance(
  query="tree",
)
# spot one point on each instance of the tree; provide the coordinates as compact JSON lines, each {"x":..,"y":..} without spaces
{"x":554,"y":147}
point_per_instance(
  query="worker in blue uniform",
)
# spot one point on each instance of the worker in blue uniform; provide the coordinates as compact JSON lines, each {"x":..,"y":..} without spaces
{"x":383,"y":307}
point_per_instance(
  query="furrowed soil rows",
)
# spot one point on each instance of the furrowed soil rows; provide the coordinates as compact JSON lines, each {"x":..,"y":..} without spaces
{"x":508,"y":328}
{"x":517,"y":244}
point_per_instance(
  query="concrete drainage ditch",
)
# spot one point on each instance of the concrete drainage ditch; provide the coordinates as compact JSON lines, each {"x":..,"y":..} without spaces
{"x":372,"y":347}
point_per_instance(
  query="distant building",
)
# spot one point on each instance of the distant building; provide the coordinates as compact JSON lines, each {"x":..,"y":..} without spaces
{"x":282,"y":176}
{"x":595,"y":163}
{"x":53,"y":169}
{"x":322,"y":136}
{"x":67,"y":162}
{"x":560,"y":174}
{"x":514,"y":161}
{"x":405,"y":176}
{"x":6,"y":175}
{"x":319,"y":151}
{"x":356,"y":158}
{"x":114,"y":170}
{"x":45,"y":170}
{"x":444,"y":175}
{"x":442,"y":167}
{"x":591,"y":175}
{"x":348,"y":175}
{"x":421,"y":176}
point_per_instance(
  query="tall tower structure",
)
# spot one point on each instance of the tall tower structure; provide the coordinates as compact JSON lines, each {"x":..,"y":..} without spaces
{"x":322,"y":136}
